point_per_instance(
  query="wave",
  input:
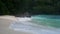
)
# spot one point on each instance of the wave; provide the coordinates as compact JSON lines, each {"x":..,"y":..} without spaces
{"x":26,"y":25}
{"x":47,"y":20}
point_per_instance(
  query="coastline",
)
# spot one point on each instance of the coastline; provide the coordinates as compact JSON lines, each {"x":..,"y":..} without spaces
{"x":5,"y":23}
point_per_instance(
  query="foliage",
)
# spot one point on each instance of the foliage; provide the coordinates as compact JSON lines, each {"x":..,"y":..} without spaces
{"x":32,"y":6}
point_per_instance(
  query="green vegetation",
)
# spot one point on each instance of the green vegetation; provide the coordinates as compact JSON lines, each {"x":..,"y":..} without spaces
{"x":13,"y":7}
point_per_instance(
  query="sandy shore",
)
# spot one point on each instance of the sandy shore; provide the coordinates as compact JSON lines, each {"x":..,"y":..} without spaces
{"x":5,"y":23}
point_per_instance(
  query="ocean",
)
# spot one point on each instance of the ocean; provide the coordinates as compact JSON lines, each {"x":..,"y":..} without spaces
{"x":38,"y":24}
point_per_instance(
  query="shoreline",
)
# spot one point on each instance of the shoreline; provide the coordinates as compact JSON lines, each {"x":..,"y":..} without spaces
{"x":5,"y":22}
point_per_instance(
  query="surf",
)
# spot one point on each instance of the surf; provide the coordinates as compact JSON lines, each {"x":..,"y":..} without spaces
{"x":25,"y":24}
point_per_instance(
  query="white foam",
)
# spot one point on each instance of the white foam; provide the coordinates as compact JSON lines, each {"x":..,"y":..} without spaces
{"x":23,"y":19}
{"x":24,"y":25}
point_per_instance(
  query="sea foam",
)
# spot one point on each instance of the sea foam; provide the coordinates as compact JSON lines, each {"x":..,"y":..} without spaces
{"x":25,"y":25}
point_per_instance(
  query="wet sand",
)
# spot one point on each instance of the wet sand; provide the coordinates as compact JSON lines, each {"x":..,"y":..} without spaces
{"x":4,"y":26}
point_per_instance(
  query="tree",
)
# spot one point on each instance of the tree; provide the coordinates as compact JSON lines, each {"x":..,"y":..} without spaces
{"x":32,"y":6}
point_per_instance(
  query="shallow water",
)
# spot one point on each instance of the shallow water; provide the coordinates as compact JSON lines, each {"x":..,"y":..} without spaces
{"x":36,"y":24}
{"x":47,"y":20}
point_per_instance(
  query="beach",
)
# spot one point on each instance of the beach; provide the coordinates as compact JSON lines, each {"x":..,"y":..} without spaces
{"x":5,"y":22}
{"x":23,"y":26}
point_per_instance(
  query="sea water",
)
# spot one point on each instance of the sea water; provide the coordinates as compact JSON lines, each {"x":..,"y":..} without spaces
{"x":38,"y":24}
{"x":47,"y":20}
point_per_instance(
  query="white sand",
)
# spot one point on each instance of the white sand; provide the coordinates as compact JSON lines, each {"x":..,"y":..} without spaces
{"x":5,"y":22}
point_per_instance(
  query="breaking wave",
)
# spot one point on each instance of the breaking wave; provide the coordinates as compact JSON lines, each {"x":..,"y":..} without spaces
{"x":34,"y":25}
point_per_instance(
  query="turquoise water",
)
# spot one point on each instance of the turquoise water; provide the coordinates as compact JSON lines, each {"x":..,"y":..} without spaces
{"x":47,"y":20}
{"x":34,"y":24}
